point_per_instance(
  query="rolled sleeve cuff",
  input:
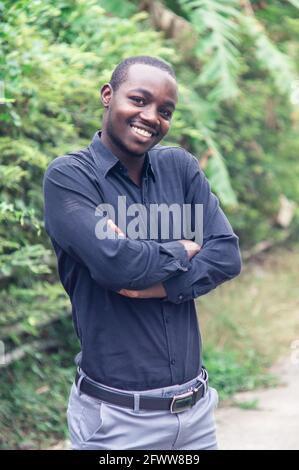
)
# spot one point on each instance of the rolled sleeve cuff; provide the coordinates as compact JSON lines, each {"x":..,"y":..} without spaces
{"x":178,"y":290}
{"x":177,"y":251}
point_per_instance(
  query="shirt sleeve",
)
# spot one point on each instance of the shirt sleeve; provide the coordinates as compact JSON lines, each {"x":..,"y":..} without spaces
{"x":70,"y":201}
{"x":219,"y":258}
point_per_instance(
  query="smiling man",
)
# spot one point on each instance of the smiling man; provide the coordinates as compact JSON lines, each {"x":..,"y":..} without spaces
{"x":140,"y":382}
{"x":138,"y":111}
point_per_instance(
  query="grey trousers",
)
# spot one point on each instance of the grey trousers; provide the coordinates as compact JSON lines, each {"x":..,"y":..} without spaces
{"x":97,"y":425}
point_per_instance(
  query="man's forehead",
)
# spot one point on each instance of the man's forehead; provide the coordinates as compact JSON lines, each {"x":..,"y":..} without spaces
{"x":152,"y":78}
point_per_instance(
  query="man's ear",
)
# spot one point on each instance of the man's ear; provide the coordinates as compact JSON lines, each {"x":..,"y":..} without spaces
{"x":106,"y":94}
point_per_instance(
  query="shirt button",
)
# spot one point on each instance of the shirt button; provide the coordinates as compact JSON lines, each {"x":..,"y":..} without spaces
{"x":180,"y":297}
{"x":167,"y":319}
{"x":172,"y":361}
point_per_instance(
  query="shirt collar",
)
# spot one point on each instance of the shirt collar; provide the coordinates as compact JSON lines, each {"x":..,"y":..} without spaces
{"x":106,"y":160}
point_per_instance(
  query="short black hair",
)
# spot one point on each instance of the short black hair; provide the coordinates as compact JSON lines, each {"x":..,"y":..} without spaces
{"x":120,"y":72}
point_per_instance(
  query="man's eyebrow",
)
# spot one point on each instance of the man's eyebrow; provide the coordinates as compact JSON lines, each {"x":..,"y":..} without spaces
{"x":149,"y":95}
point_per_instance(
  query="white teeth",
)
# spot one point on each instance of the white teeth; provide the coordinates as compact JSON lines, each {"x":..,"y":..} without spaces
{"x":142,"y":131}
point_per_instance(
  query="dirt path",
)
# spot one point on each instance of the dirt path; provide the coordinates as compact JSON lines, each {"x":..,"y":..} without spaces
{"x":275,"y":422}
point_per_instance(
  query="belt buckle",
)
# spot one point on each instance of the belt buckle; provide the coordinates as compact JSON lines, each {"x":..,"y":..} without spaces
{"x":182,"y":402}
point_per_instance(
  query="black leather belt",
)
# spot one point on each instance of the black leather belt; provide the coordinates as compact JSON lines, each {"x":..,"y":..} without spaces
{"x":175,"y":404}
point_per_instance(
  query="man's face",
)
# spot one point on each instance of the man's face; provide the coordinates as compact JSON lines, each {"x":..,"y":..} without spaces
{"x":138,"y":114}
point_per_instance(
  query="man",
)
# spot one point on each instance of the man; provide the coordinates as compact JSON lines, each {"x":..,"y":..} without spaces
{"x":140,"y":382}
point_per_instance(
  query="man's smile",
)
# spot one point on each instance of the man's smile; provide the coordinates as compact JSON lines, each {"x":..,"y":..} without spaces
{"x":141,"y":131}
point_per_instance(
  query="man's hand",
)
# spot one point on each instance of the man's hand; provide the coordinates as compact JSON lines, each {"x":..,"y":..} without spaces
{"x":157,"y":291}
{"x":192,"y":248}
{"x":115,"y":228}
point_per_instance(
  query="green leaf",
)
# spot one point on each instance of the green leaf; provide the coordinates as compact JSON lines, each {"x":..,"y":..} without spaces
{"x":219,"y":179}
{"x":295,"y":3}
{"x":217,"y":25}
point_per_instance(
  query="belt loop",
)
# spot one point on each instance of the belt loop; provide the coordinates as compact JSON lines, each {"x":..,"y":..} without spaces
{"x":204,"y":380}
{"x":136,"y":401}
{"x":82,"y":375}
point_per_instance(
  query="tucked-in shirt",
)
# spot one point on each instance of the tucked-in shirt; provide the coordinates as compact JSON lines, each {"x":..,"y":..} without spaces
{"x":130,"y":343}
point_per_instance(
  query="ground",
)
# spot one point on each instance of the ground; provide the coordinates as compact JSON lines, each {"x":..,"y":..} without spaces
{"x":274,"y":424}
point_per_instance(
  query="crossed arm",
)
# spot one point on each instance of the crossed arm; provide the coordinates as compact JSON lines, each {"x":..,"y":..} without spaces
{"x":157,"y":290}
{"x":71,"y":199}
{"x":177,"y":271}
{"x":216,"y":261}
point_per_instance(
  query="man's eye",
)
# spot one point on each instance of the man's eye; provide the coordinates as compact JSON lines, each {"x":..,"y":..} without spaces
{"x":166,"y":114}
{"x":138,"y":100}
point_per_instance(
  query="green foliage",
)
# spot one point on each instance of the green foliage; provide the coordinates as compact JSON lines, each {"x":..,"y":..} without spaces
{"x":229,"y":373}
{"x":260,"y":149}
{"x":195,"y":122}
{"x":56,"y":55}
{"x":216,"y":23}
{"x":234,"y":113}
{"x":33,"y":394}
{"x":246,"y":405}
{"x":270,"y":57}
{"x":26,"y":311}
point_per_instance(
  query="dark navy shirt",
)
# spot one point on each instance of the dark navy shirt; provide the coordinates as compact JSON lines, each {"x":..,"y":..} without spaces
{"x":127,"y":343}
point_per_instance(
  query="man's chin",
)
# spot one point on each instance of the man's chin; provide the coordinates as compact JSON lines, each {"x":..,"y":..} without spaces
{"x":139,"y":150}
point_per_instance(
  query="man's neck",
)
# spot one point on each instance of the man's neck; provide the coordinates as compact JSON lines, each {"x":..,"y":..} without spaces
{"x":133,"y":164}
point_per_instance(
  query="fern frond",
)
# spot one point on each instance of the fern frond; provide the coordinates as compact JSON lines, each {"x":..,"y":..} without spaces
{"x":217,"y":24}
{"x":204,"y":114}
{"x":278,"y":64}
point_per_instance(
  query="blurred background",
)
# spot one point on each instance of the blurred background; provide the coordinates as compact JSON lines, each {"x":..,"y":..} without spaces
{"x":237,"y":66}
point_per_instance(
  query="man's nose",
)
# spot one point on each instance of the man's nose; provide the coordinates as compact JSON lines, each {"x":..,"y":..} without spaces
{"x":150,"y":114}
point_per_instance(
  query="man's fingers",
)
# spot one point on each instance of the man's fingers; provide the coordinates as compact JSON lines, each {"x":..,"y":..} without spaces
{"x":129,"y":293}
{"x":115,"y":228}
